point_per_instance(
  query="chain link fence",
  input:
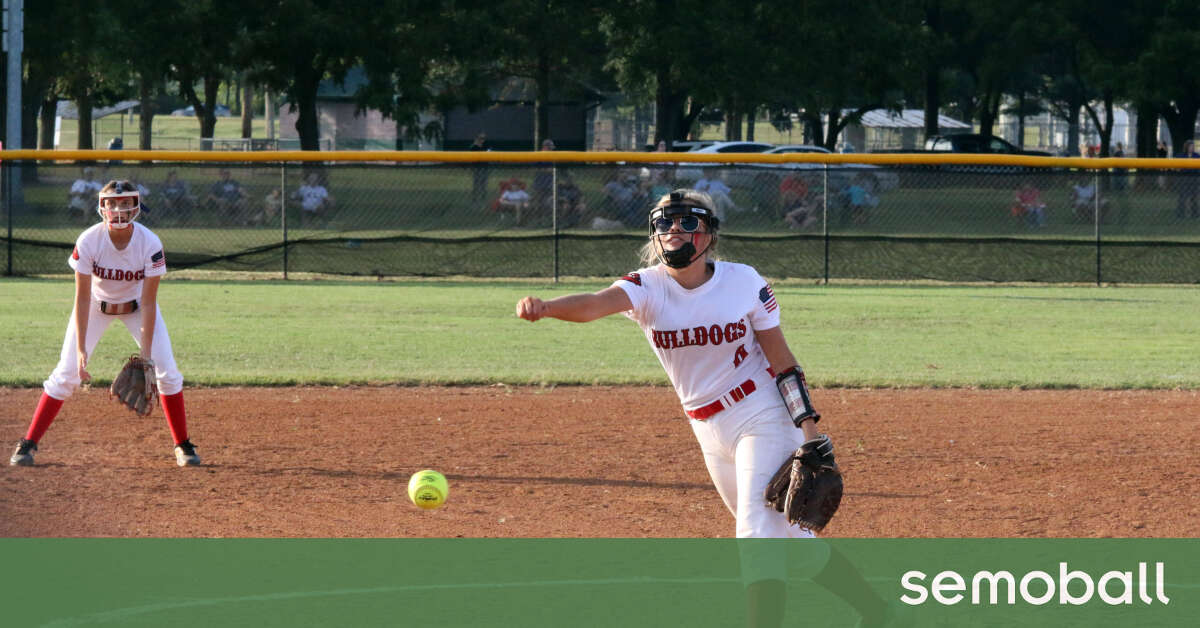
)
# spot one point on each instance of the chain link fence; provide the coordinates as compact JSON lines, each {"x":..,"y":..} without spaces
{"x":825,"y":222}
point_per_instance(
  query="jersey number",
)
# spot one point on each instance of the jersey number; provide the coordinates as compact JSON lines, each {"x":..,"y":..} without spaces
{"x":739,"y":355}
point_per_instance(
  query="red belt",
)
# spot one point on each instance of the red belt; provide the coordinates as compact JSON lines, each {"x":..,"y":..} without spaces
{"x":737,"y":394}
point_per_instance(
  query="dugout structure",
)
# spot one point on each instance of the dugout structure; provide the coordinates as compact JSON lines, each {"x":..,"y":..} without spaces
{"x":824,"y":217}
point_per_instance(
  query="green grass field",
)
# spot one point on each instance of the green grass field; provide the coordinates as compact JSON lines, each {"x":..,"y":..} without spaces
{"x":464,"y":332}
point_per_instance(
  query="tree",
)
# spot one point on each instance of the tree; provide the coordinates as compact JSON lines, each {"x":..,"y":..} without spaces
{"x":659,"y":51}
{"x":210,"y":35}
{"x":292,"y":45}
{"x":1168,"y":69}
{"x":147,"y":55}
{"x":556,"y":44}
{"x":844,"y":74}
{"x":430,"y":56}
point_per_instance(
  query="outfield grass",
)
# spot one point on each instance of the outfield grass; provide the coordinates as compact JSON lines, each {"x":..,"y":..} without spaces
{"x":464,"y":332}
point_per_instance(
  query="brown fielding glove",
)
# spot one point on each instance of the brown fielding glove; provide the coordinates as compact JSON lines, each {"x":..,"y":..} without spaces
{"x":808,"y":485}
{"x":134,"y":387}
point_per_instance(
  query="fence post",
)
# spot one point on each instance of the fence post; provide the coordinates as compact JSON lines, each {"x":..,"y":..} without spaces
{"x":554,"y":214}
{"x":1096,"y":218}
{"x":283,"y":213}
{"x":825,"y":215}
{"x":5,"y":178}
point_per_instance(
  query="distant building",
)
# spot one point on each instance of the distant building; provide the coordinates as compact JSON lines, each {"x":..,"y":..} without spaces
{"x":340,"y":126}
{"x":509,"y":119}
{"x":886,"y":130}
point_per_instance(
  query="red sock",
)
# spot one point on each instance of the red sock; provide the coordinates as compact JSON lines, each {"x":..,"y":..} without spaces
{"x":47,"y":409}
{"x":172,"y":406}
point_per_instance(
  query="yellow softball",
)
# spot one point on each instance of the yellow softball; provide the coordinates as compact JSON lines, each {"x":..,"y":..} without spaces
{"x":428,"y":489}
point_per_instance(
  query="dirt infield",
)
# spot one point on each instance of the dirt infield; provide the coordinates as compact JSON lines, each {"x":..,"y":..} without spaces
{"x":597,"y":462}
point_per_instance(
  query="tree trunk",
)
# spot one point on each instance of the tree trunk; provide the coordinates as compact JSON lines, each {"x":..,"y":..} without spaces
{"x":989,"y":112}
{"x":247,"y":110}
{"x":1181,"y":121}
{"x":1073,"y":128}
{"x":666,"y":109}
{"x":932,"y":101}
{"x":750,"y":115}
{"x":541,"y":105}
{"x":1105,"y":127}
{"x":832,"y":129}
{"x":733,"y":123}
{"x":1147,"y":129}
{"x":48,"y":115}
{"x":1021,"y":119}
{"x":146,"y":120}
{"x":695,"y":108}
{"x":83,"y":102}
{"x":208,"y":113}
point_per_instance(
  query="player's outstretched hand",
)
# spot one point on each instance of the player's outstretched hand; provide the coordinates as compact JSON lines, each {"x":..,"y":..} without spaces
{"x":84,"y":376}
{"x":531,"y":308}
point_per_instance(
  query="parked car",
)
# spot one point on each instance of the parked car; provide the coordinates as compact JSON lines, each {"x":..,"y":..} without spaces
{"x":693,"y":171}
{"x":876,"y":179}
{"x":221,"y":110}
{"x":683,"y":146}
{"x":764,"y":177}
{"x":976,"y":143}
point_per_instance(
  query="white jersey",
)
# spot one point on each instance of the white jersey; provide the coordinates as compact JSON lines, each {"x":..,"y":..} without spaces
{"x":704,"y":337}
{"x":117,"y":275}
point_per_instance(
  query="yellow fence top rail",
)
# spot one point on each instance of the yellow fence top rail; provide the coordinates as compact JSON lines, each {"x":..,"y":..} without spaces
{"x":880,"y":159}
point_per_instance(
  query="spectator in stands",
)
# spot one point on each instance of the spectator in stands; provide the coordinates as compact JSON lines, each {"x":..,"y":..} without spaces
{"x":543,"y":185}
{"x":793,"y":192}
{"x":620,"y":199}
{"x":857,"y":202}
{"x":1187,"y":184}
{"x":1084,"y":201}
{"x":712,"y":182}
{"x":1029,"y":207}
{"x":227,"y":199}
{"x":513,"y":199}
{"x":316,"y":204}
{"x":272,"y":208}
{"x":800,"y":207}
{"x":82,"y":197}
{"x":176,"y":201}
{"x":571,"y":205}
{"x":480,"y":171}
{"x":116,"y":143}
{"x":1162,"y":153}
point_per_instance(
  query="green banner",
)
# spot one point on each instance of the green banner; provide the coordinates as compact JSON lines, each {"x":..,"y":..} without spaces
{"x":600,"y":582}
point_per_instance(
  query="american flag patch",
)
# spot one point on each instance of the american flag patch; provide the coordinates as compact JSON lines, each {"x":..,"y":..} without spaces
{"x":768,"y":299}
{"x":157,"y":260}
{"x":633,"y":278}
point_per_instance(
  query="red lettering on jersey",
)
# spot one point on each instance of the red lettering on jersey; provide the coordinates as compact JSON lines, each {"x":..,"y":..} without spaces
{"x":687,"y":341}
{"x":714,"y":334}
{"x":741,"y":328}
{"x":75,"y":254}
{"x":671,"y":340}
{"x":117,"y":274}
{"x":701,"y":334}
{"x":740,"y":354}
{"x":731,"y":332}
{"x":633,"y":278}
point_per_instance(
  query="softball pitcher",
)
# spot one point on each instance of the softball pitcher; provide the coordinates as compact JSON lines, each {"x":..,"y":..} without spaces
{"x":118,"y":264}
{"x":714,"y":326}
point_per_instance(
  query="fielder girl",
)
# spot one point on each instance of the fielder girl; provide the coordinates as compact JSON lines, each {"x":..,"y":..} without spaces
{"x":118,"y":264}
{"x":715,"y":327}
